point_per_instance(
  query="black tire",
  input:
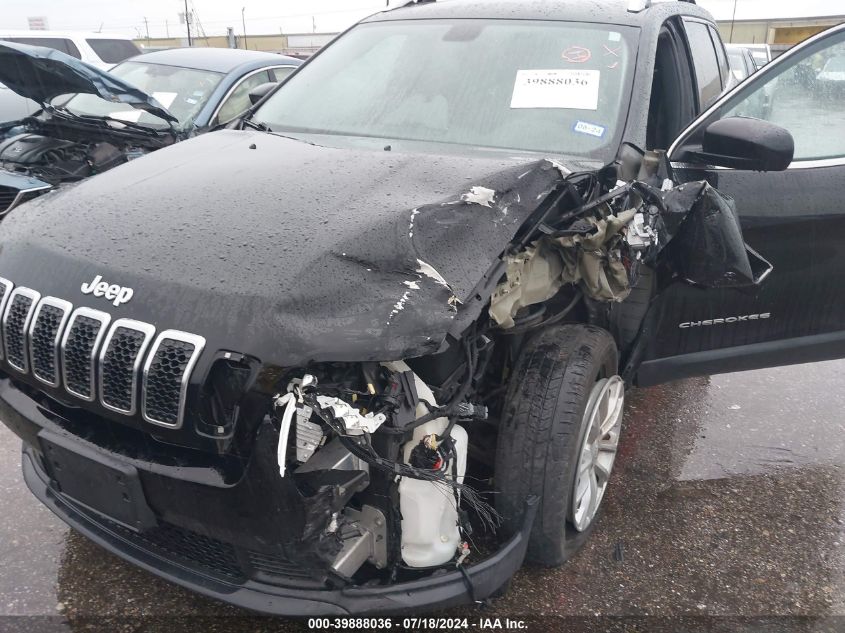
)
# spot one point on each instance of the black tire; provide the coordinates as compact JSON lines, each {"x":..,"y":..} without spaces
{"x":541,"y":429}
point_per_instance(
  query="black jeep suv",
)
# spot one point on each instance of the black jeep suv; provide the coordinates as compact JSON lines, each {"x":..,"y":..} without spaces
{"x":367,"y":350}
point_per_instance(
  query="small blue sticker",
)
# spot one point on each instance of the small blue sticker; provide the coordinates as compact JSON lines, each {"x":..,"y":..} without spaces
{"x":591,"y":129}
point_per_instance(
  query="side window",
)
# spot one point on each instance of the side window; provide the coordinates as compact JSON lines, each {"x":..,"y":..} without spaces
{"x":705,"y":62}
{"x":61,"y":44}
{"x":238,"y":100}
{"x":720,"y":55}
{"x":671,"y":104}
{"x":803,"y":95}
{"x":282,"y":72}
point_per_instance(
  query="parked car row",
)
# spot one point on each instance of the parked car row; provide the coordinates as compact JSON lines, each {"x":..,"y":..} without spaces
{"x":90,"y":120}
{"x":368,"y":344}
{"x":98,"y":49}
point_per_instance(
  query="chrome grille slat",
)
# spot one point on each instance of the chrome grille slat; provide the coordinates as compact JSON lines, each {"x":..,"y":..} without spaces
{"x":5,"y":292}
{"x":166,"y":375}
{"x":45,"y":332}
{"x":80,"y":345}
{"x":16,"y":320}
{"x":120,"y":361}
{"x":11,"y":197}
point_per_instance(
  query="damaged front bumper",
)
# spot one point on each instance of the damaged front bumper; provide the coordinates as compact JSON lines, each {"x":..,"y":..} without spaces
{"x":221,"y":570}
{"x":445,"y":590}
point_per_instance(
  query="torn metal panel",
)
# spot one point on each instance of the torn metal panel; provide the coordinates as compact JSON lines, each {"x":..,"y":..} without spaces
{"x":692,"y":228}
{"x":706,"y":244}
{"x":533,"y":276}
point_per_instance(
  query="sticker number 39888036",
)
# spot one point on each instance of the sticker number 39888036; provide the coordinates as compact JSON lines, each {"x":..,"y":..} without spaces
{"x":560,"y":88}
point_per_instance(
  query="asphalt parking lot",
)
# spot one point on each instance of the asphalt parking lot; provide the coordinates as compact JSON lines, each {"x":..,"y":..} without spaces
{"x":728,"y":502}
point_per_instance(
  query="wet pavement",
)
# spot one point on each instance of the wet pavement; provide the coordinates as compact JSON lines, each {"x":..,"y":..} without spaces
{"x":727,"y":502}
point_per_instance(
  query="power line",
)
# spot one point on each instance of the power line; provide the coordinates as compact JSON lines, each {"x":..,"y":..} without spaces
{"x":277,"y":18}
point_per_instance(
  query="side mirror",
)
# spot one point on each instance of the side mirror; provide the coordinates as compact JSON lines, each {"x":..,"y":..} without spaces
{"x":260,"y":91}
{"x":746,"y":143}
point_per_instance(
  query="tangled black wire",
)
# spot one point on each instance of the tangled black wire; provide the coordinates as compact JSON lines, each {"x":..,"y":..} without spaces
{"x":489,"y":518}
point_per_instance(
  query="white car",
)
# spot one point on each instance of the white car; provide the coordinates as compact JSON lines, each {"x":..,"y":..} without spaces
{"x":102,"y":50}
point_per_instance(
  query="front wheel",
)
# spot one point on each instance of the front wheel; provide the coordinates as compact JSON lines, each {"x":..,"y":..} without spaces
{"x":558,"y":436}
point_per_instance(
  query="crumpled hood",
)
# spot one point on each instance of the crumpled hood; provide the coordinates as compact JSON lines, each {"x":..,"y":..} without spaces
{"x":281,"y":249}
{"x":40,"y":74}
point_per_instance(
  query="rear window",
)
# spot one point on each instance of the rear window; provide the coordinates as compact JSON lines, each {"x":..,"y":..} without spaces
{"x":113,"y":51}
{"x":61,"y":44}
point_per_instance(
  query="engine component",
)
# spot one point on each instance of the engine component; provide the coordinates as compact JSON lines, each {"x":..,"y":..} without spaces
{"x":30,"y":149}
{"x":333,"y":456}
{"x":640,"y":235}
{"x":364,"y":539}
{"x":353,"y":420}
{"x":57,"y":160}
{"x":430,"y":532}
{"x":470,"y":411}
{"x":309,"y":436}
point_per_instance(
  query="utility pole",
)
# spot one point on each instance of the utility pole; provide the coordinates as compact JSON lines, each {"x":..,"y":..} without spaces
{"x":167,"y":28}
{"x":188,"y":22}
{"x":733,"y":19}
{"x":243,"y":21}
{"x":147,"y":27}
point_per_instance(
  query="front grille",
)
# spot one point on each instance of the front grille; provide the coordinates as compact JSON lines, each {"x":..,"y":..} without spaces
{"x":165,"y":376}
{"x":7,"y":197}
{"x":16,"y":319}
{"x":95,"y":358}
{"x":11,"y":197}
{"x":276,"y":566}
{"x":172,"y":542}
{"x":79,"y":351}
{"x":120,"y":361}
{"x":47,"y":326}
{"x":209,"y":555}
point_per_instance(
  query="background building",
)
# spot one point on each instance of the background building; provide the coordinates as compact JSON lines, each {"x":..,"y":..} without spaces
{"x":775,"y":22}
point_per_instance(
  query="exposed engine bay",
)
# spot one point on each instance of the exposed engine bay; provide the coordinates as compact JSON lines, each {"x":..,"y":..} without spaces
{"x":60,"y":154}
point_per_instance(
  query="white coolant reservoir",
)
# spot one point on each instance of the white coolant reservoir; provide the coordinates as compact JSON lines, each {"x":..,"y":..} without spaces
{"x":430,"y":534}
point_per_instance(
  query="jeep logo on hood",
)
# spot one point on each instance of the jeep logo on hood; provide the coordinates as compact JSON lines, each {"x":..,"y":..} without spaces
{"x":118,"y":295}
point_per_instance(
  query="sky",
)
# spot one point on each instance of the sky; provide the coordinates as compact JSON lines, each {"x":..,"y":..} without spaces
{"x":290,"y":16}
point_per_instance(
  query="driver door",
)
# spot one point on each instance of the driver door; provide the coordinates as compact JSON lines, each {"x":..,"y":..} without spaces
{"x":794,"y":218}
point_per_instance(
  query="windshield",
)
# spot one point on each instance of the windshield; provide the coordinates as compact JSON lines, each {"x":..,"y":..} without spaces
{"x":182,"y":91}
{"x":550,"y":87}
{"x":113,"y":51}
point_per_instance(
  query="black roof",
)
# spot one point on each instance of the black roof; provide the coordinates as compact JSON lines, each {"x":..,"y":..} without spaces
{"x":600,"y":11}
{"x":221,"y":60}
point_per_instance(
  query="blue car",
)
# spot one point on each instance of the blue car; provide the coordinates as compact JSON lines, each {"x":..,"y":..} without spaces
{"x":92,"y":120}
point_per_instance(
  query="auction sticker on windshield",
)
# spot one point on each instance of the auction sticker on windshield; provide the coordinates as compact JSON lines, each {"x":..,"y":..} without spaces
{"x":562,"y":88}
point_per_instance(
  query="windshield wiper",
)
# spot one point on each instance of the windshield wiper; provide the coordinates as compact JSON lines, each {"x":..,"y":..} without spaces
{"x":103,"y":119}
{"x":257,"y":125}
